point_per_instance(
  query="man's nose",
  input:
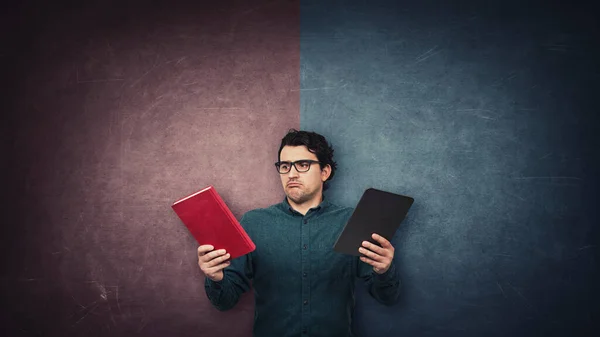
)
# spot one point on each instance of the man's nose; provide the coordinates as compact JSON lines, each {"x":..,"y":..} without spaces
{"x":293,"y":172}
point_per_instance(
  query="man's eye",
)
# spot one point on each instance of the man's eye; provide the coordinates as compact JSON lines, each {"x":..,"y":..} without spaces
{"x":304,"y":164}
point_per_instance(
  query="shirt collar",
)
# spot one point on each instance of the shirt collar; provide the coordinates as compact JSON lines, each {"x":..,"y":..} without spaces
{"x":285,"y":205}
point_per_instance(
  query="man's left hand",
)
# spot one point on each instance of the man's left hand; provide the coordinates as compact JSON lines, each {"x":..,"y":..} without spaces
{"x":379,"y":257}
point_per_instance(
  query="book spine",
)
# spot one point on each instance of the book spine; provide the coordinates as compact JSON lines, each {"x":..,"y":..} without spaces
{"x":231,"y":216}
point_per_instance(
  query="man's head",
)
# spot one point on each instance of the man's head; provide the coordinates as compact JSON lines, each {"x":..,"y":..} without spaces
{"x":305,"y":179}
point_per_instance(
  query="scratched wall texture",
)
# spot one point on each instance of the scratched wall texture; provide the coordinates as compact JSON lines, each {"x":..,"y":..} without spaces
{"x":485,"y":113}
{"x":117,"y":110}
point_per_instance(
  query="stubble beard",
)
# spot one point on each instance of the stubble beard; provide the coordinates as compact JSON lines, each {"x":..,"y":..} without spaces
{"x":299,"y":195}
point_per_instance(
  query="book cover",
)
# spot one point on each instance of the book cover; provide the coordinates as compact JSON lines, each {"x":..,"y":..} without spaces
{"x":211,"y":222}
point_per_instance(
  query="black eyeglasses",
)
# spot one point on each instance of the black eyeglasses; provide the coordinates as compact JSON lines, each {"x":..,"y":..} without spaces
{"x":300,"y":165}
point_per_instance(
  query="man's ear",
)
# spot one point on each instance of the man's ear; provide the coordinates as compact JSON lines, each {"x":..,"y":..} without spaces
{"x":325,"y":172}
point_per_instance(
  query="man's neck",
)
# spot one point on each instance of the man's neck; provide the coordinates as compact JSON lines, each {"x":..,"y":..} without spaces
{"x":305,"y":206}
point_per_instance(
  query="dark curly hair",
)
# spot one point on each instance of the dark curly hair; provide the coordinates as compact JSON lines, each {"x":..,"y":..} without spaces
{"x":316,"y":144}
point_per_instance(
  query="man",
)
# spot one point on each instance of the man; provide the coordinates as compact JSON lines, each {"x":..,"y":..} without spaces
{"x":301,"y":286}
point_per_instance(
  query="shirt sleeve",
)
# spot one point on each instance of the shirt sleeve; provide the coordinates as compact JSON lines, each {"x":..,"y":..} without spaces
{"x":237,"y":277}
{"x":385,"y":288}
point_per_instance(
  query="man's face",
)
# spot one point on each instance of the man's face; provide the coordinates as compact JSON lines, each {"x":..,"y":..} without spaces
{"x":302,"y":186}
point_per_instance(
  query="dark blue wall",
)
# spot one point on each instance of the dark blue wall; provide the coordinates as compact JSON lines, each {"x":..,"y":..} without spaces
{"x":485,"y":114}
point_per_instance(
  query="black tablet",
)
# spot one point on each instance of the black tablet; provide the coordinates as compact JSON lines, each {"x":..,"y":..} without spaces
{"x":378,"y":212}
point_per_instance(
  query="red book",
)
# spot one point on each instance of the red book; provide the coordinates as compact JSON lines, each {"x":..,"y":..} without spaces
{"x":210,"y":222}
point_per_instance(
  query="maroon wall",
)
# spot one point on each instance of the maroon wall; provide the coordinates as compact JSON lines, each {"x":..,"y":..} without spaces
{"x":116,"y":112}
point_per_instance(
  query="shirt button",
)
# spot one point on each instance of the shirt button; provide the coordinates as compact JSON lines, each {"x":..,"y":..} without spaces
{"x":305,"y":302}
{"x":304,"y":247}
{"x":305,"y":221}
{"x":304,"y":274}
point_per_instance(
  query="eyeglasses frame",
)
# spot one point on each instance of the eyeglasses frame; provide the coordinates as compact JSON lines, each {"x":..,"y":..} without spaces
{"x":293,"y":163}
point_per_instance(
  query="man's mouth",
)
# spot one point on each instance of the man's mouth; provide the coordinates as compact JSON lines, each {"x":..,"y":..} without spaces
{"x":293,"y":184}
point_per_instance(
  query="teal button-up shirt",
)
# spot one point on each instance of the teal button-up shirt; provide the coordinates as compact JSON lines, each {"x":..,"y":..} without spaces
{"x":302,"y":287}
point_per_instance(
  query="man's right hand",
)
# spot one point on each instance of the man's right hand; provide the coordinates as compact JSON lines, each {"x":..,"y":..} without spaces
{"x":212,"y":262}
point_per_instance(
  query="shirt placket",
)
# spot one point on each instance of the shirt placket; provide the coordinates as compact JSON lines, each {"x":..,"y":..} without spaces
{"x":305,"y":276}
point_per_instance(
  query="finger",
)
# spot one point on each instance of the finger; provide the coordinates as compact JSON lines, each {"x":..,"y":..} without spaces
{"x":217,"y":268}
{"x":217,"y":261}
{"x":212,"y":255}
{"x":385,"y":243}
{"x":374,"y":248}
{"x":375,"y":264}
{"x":204,"y":249}
{"x":371,"y":255}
